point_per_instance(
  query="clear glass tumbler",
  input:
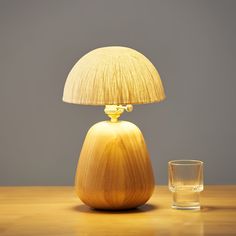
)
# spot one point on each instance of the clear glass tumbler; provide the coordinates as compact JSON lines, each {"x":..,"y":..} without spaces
{"x":186,"y":183}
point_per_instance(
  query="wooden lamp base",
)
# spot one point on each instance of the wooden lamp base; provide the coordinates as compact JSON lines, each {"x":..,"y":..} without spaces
{"x":114,"y":170}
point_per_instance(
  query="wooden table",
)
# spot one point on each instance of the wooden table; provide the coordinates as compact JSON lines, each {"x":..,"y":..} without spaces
{"x":57,"y":211}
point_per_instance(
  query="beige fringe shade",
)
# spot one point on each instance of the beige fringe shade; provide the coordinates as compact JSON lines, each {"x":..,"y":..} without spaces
{"x":113,"y":75}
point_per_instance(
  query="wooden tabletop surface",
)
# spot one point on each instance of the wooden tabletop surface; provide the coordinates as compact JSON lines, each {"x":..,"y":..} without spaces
{"x":57,"y":211}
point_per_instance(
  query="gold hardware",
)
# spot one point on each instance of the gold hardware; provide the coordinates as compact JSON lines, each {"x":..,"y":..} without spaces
{"x":115,"y":111}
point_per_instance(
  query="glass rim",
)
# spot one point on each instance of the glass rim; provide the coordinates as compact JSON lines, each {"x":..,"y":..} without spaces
{"x":185,"y":162}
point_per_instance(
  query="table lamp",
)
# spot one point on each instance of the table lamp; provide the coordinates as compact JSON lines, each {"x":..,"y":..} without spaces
{"x":114,"y":169}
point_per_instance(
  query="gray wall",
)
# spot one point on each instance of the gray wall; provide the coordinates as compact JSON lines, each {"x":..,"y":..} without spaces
{"x":193,"y":45}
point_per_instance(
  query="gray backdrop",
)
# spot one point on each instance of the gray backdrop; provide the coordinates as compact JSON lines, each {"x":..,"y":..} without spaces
{"x":193,"y":45}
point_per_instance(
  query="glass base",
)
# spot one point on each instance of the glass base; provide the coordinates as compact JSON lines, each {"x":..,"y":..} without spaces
{"x":186,"y":200}
{"x":191,"y":207}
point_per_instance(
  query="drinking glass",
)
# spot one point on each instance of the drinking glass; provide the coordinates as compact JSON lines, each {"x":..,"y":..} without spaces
{"x":186,"y":183}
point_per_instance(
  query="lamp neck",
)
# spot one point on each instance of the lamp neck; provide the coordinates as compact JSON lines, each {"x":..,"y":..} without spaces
{"x":115,"y":111}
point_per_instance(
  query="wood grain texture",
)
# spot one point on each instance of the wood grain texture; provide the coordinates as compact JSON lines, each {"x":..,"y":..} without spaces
{"x":114,"y":170}
{"x":54,"y":211}
{"x":113,"y":75}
